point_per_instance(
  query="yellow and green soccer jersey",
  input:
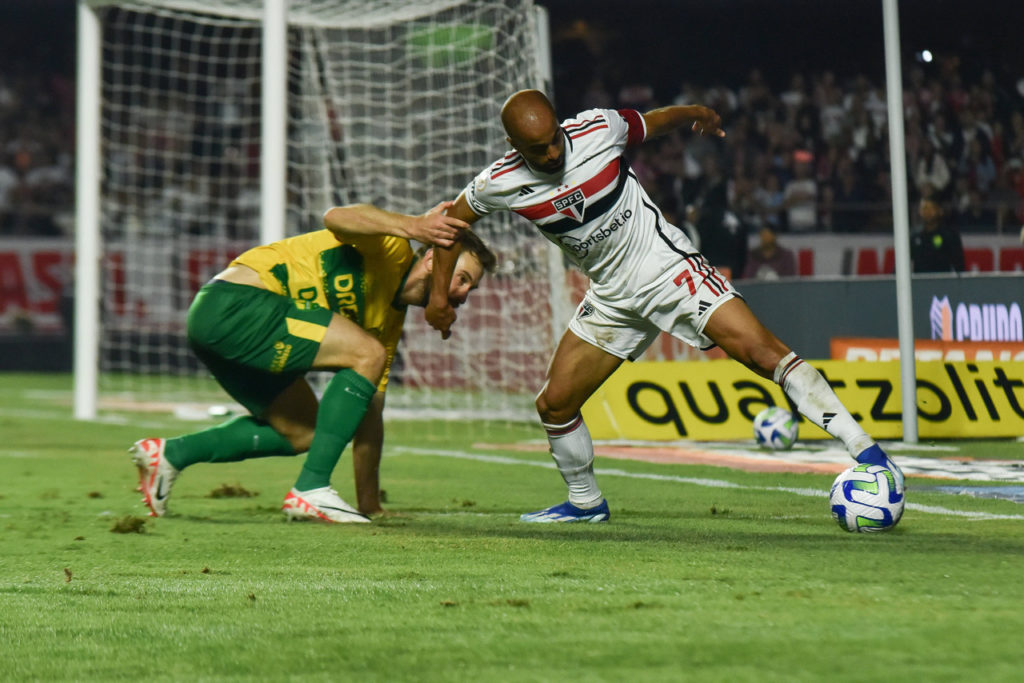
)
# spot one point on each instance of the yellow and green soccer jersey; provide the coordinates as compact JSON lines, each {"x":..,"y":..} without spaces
{"x":359,"y":279}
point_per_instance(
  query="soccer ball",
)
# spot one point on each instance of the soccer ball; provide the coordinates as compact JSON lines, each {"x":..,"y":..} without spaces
{"x":775,"y":428}
{"x":865,"y":498}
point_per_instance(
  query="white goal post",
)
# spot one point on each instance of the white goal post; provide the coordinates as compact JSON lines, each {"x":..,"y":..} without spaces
{"x":204,"y":130}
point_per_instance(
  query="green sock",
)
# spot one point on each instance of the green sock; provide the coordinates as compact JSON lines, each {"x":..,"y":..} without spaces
{"x":238,"y":439}
{"x":342,"y":407}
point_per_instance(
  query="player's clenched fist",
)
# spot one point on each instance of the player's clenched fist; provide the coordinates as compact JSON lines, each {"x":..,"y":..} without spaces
{"x":441,"y":317}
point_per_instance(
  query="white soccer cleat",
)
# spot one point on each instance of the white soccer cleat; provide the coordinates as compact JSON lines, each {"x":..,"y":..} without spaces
{"x":156,"y":475}
{"x":322,"y":504}
{"x":567,"y":512}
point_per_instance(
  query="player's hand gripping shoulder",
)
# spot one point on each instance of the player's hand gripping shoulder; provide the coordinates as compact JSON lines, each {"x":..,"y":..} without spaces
{"x":437,"y":228}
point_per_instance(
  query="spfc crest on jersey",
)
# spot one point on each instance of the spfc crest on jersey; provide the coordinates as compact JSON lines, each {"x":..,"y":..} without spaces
{"x":571,"y":205}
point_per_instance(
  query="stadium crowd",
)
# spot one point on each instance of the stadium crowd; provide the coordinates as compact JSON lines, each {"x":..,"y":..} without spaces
{"x":809,"y":154}
{"x":37,"y":115}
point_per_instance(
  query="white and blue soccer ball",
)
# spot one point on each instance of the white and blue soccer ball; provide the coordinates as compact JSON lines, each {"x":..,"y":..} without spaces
{"x":866,"y":498}
{"x":775,"y":428}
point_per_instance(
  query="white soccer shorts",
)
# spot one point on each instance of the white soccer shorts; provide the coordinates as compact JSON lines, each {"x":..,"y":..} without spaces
{"x":680,"y":306}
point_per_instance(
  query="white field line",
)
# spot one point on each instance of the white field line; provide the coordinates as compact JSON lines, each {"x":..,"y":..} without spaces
{"x":153,"y":422}
{"x":713,"y":483}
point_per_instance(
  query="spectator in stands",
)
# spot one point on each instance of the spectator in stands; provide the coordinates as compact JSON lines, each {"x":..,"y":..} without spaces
{"x":935,"y":248}
{"x":848,"y":198}
{"x":1015,"y":135}
{"x":9,"y":180}
{"x":827,"y":208}
{"x":971,"y":129}
{"x":796,"y":94}
{"x":769,"y":260}
{"x":800,"y":195}
{"x":723,"y":236}
{"x":977,"y":166}
{"x":943,"y":139}
{"x":932,"y":170}
{"x":769,"y":200}
{"x":975,"y":215}
{"x":1007,"y":197}
{"x":281,"y":310}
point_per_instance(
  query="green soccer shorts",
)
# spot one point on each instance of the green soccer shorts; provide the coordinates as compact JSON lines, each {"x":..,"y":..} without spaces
{"x":254,"y":342}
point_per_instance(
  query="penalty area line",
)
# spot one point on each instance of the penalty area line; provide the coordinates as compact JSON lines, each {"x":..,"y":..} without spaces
{"x":696,"y":481}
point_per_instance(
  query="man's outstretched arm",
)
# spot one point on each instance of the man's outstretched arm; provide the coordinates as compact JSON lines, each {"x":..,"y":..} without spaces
{"x":432,"y":227}
{"x":440,"y":313}
{"x":701,"y":119}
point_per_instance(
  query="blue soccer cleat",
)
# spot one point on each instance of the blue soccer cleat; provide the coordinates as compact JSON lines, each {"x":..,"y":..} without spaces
{"x":567,"y":512}
{"x":876,"y":456}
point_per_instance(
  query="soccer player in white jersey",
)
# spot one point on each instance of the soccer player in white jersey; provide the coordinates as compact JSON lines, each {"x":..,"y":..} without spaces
{"x":573,"y":182}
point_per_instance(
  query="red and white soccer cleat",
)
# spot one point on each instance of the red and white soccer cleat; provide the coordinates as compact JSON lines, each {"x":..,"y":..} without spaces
{"x":156,"y":475}
{"x":322,"y":504}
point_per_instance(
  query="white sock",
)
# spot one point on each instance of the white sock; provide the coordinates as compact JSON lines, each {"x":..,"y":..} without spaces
{"x":817,"y":402}
{"x":573,"y":451}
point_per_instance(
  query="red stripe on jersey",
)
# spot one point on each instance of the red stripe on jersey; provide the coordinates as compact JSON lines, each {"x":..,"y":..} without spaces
{"x":636,"y":126}
{"x":606,"y":176}
{"x":588,"y":131}
{"x":503,"y":172}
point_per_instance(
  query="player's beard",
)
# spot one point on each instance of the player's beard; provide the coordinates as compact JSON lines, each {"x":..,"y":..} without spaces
{"x":555,"y":166}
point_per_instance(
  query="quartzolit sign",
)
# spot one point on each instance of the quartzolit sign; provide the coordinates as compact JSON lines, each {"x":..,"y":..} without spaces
{"x":717,"y":400}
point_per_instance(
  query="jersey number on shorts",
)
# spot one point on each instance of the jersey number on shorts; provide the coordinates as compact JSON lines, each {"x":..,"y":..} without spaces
{"x":685,"y":275}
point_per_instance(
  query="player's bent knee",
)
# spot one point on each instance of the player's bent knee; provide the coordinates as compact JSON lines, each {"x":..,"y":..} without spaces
{"x":555,"y":409}
{"x":370,"y":359}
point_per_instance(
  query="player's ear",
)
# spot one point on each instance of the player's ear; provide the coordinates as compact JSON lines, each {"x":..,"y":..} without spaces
{"x":428,"y":260}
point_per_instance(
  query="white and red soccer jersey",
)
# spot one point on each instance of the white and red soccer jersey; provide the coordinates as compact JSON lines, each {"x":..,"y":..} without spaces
{"x":594,"y":208}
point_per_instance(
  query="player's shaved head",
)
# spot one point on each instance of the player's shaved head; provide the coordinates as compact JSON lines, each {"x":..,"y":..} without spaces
{"x":533,"y":129}
{"x":527,"y":115}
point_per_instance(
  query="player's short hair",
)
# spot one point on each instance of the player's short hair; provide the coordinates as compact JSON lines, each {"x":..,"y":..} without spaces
{"x":472,"y":243}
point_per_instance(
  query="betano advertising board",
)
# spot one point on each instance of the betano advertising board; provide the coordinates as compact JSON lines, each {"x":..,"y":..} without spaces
{"x":717,"y":400}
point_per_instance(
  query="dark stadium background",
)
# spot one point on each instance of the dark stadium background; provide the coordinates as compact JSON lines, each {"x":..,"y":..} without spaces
{"x":668,"y":41}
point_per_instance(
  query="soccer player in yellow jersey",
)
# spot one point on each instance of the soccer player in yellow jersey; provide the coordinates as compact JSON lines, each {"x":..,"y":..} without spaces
{"x":332,"y":299}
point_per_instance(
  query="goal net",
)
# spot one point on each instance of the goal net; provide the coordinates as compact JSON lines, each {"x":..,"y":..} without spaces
{"x":388,"y":102}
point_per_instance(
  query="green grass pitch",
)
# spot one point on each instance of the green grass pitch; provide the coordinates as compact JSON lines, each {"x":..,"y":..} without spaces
{"x":747,"y":581}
